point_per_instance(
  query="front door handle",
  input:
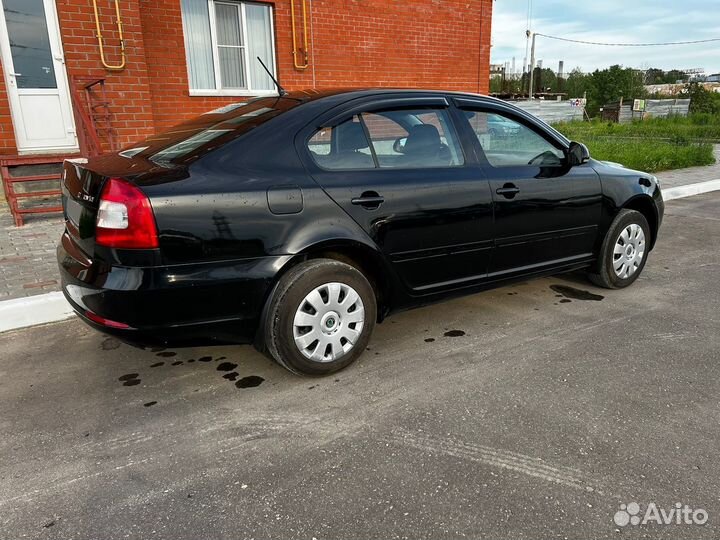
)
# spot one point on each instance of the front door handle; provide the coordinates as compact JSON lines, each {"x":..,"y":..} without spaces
{"x":508,"y":190}
{"x":369,"y":199}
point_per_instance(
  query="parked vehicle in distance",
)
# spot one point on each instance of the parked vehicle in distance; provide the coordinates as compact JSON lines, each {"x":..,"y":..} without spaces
{"x":299,"y":222}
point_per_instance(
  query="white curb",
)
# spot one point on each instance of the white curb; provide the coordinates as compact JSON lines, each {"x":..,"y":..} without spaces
{"x":689,"y":190}
{"x":40,"y":309}
{"x":52,"y":307}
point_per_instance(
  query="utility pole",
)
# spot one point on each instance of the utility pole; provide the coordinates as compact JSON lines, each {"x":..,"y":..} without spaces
{"x":532,"y":62}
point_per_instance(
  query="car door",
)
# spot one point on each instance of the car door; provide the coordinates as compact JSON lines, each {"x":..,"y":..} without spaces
{"x":397,"y":167}
{"x":546,"y":212}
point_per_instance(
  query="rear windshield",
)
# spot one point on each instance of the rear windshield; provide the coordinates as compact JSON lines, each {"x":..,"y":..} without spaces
{"x":194,"y":138}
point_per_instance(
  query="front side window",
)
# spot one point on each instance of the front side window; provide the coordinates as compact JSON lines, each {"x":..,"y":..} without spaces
{"x":402,"y":138}
{"x":508,"y":143}
{"x":223,"y":39}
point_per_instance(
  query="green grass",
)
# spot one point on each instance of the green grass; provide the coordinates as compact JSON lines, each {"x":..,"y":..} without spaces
{"x":651,"y":145}
{"x":649,"y":155}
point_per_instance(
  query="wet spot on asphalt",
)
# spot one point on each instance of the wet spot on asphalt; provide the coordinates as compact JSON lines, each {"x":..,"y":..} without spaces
{"x":511,"y":293}
{"x":110,"y":344}
{"x":575,"y":294}
{"x":131,"y":379}
{"x":429,"y":340}
{"x":231,"y":376}
{"x":205,"y":359}
{"x":454,"y":333}
{"x":565,"y":301}
{"x":178,"y":363}
{"x":166,"y":354}
{"x":226,"y":366}
{"x":149,"y":403}
{"x":250,"y":381}
{"x":311,"y":387}
{"x":220,"y":358}
{"x":158,"y":364}
{"x":191,"y":361}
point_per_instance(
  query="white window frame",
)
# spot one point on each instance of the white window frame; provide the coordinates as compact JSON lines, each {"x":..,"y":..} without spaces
{"x":219,"y":91}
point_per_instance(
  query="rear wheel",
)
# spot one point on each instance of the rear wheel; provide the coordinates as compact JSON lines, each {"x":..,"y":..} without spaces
{"x":624,"y":251}
{"x":320,"y":317}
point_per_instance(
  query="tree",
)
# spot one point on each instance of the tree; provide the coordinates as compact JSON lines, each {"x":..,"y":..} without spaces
{"x":611,"y":84}
{"x":702,"y":100}
{"x":576,"y":84}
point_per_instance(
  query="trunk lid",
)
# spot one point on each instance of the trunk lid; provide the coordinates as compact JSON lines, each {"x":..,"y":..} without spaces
{"x":80,"y":198}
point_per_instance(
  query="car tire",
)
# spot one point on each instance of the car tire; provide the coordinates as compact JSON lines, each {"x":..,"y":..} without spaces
{"x":320,"y":317}
{"x":624,"y":251}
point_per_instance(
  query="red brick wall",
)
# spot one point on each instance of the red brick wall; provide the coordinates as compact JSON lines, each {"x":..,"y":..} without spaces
{"x":128,"y":91}
{"x":354,"y":43}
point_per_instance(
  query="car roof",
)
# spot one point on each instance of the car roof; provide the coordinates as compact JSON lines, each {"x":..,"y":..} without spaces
{"x":353,"y":93}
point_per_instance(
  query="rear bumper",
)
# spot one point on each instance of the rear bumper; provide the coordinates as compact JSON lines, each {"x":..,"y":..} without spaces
{"x":190,"y":304}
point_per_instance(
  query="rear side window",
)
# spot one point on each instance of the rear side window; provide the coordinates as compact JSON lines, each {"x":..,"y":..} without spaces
{"x":411,"y":139}
{"x":344,"y":146}
{"x":402,"y":138}
{"x":508,"y":143}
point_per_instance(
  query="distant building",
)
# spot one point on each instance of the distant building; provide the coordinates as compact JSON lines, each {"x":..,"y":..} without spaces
{"x":679,"y":88}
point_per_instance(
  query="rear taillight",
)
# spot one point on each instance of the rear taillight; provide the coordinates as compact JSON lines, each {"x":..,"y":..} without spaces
{"x":125,"y":218}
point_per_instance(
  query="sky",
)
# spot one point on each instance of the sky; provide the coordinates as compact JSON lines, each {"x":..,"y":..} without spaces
{"x":615,"y":21}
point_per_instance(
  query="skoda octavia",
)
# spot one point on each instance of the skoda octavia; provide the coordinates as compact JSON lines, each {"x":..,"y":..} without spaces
{"x":299,"y":222}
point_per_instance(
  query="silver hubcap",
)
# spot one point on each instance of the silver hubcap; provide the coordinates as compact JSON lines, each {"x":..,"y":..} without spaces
{"x":328,"y":322}
{"x":629,"y":251}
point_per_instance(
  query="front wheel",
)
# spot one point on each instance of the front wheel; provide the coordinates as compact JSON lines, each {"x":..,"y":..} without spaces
{"x":624,"y":251}
{"x":320,"y":317}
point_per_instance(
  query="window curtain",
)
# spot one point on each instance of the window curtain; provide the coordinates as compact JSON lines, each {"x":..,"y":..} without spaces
{"x":229,"y":41}
{"x":198,"y":44}
{"x":259,"y":42}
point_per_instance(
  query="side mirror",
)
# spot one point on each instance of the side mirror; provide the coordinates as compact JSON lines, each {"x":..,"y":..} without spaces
{"x":399,"y":145}
{"x":577,"y":154}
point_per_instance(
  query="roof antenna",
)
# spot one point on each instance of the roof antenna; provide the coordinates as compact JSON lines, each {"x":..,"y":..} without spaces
{"x":281,"y":90}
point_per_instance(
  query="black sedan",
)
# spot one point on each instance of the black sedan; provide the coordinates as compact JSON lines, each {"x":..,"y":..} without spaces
{"x":299,"y":222}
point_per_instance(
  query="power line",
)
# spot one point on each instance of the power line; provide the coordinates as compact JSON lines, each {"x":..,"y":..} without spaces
{"x":629,"y":44}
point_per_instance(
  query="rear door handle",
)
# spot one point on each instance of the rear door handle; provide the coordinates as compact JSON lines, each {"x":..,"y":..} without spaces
{"x":508,"y":190}
{"x":369,"y":200}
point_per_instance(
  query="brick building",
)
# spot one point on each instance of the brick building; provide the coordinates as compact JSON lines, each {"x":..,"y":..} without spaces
{"x":63,"y":90}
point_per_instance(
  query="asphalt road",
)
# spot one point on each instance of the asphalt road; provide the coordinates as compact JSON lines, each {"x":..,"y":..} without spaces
{"x":545,"y":415}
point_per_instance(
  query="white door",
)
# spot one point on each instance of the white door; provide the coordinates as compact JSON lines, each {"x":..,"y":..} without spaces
{"x":35,"y":76}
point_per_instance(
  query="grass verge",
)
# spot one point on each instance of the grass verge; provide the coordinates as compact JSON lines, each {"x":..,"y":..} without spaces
{"x":650,"y":155}
{"x":655,"y":144}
